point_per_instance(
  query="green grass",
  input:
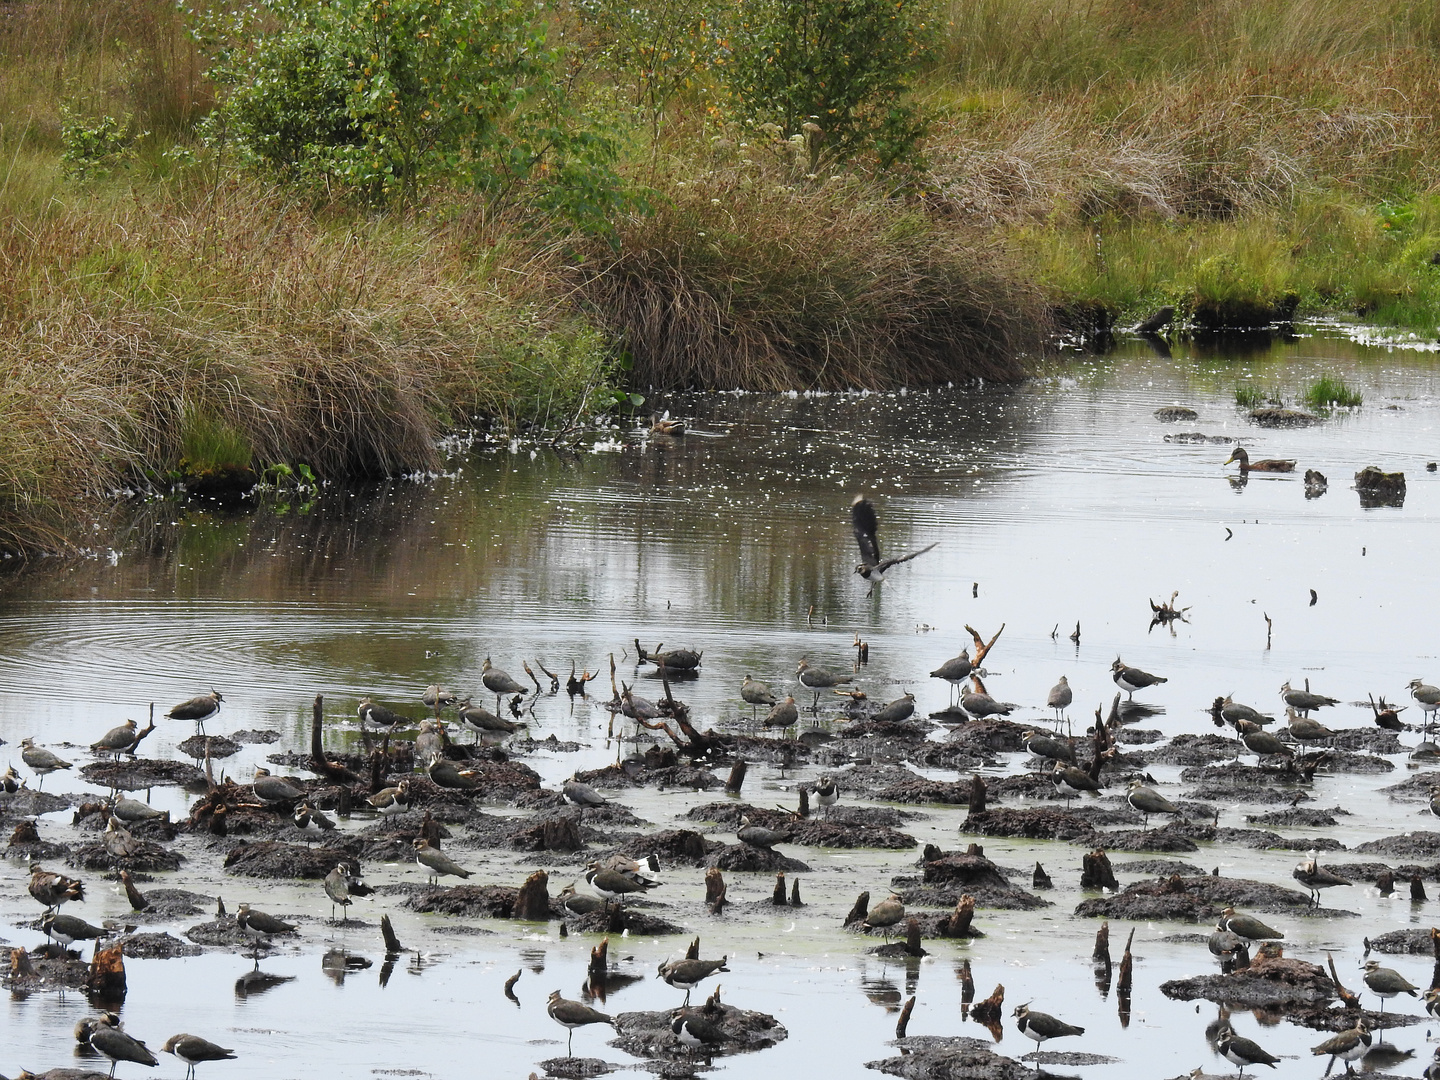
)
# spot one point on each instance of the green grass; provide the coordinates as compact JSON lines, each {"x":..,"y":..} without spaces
{"x":1329,"y":391}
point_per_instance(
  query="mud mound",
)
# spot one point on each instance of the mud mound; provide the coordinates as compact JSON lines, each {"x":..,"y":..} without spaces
{"x":1266,"y":983}
{"x":147,"y":859}
{"x":746,"y":858}
{"x":156,"y":947}
{"x":1036,"y":824}
{"x":142,"y":773}
{"x":1193,"y":899}
{"x":937,"y":1057}
{"x":917,"y":789}
{"x":468,"y":901}
{"x":648,"y":1034}
{"x":1416,"y":845}
{"x":273,"y":859}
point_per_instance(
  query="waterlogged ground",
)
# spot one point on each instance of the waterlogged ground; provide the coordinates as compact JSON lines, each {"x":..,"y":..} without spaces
{"x":1051,"y":503}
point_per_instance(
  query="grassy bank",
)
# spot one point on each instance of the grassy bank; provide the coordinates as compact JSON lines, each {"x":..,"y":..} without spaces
{"x":165,"y":311}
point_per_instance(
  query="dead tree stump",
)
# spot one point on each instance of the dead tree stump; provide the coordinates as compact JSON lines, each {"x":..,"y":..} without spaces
{"x":795,"y":900}
{"x":561,"y":834}
{"x":737,"y":777}
{"x":904,"y":1021}
{"x":860,"y":910}
{"x":106,"y":978}
{"x":715,"y":890}
{"x":1101,"y":955}
{"x":777,"y":897}
{"x":532,"y":904}
{"x":1095,"y":871}
{"x":599,"y":962}
{"x":977,"y":794}
{"x":989,"y":1010}
{"x":957,"y":924}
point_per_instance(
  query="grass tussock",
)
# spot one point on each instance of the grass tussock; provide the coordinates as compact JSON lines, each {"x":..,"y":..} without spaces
{"x":734,"y":283}
{"x":1330,"y":391}
{"x":155,"y":336}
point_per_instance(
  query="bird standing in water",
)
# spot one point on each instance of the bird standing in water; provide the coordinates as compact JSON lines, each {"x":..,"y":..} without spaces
{"x":199,"y":709}
{"x":571,"y":1015}
{"x":866,"y":526}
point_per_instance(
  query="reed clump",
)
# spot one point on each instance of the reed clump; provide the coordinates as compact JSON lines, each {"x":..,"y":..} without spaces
{"x":736,"y":282}
{"x":1330,"y":391}
{"x":152,"y":338}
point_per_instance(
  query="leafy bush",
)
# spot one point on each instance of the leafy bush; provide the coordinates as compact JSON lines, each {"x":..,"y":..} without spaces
{"x":837,"y":72}
{"x":384,"y":98}
{"x":94,"y":148}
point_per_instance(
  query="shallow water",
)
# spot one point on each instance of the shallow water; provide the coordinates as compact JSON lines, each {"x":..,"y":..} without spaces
{"x":1050,"y":503}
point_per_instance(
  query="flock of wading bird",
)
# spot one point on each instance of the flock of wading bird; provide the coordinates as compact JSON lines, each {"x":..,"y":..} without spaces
{"x":617,"y":877}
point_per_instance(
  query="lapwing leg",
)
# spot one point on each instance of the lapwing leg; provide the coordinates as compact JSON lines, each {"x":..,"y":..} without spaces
{"x":687,"y":998}
{"x":569,"y":1042}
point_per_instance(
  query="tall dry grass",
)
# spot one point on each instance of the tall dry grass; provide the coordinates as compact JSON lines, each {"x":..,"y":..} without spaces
{"x":138,"y":329}
{"x":737,"y":282}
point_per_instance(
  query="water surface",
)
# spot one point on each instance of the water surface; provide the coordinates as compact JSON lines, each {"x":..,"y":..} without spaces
{"x":1054,"y":502}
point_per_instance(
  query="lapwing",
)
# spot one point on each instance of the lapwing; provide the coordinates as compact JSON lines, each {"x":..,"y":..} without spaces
{"x":818,"y":679}
{"x":436,"y":861}
{"x":275,"y":789}
{"x":572,"y":1015}
{"x":826,"y":793}
{"x":785,"y":714}
{"x":688,"y":974}
{"x":1303,"y":700}
{"x":498,"y":682}
{"x":259,"y":926}
{"x":40,"y":761}
{"x":1059,"y":698}
{"x":1315,"y":877}
{"x":756,"y":694}
{"x":199,"y":708}
{"x":68,"y":929}
{"x":484,"y":722}
{"x":885,"y":915}
{"x":694,"y":1031}
{"x":1247,"y":926}
{"x":1131,"y":679}
{"x":865,"y":525}
{"x":615,"y":885}
{"x":391,"y":801}
{"x":337,"y":888}
{"x":758,"y":835}
{"x":1349,"y":1045}
{"x":1387,"y":982}
{"x":582,"y":794}
{"x":955,"y":671}
{"x":192,"y":1050}
{"x":52,"y":890}
{"x":379,"y":717}
{"x":117,"y":741}
{"x":1042,"y":1026}
{"x":118,"y":1045}
{"x":1148,"y":801}
{"x":1242,"y":1051}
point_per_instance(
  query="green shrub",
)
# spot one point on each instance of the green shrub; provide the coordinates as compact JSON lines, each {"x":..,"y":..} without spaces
{"x":385,"y":99}
{"x":94,"y":148}
{"x":837,"y":72}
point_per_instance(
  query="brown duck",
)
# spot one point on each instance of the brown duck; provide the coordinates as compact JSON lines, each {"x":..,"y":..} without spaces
{"x":1264,"y":465}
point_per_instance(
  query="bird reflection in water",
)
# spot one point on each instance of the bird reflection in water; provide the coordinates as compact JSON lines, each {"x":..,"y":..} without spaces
{"x":881,"y":990}
{"x":337,"y":963}
{"x":256,"y":982}
{"x":534,"y":959}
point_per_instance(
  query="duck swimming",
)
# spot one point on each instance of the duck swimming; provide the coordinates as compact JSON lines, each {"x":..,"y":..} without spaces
{"x":1266,"y":465}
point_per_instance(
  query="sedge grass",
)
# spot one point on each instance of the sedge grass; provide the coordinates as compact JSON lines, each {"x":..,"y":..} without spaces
{"x":1330,"y":391}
